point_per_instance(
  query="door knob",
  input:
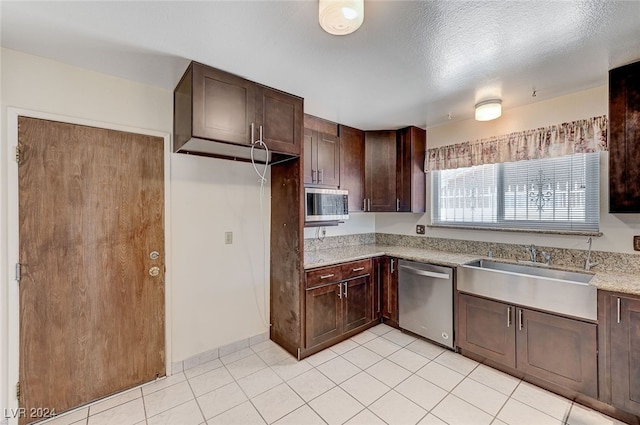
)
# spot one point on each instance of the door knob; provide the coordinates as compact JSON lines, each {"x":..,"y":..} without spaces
{"x":154,"y":271}
{"x":154,"y":255}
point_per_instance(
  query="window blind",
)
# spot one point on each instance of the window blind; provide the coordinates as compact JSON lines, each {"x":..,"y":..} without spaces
{"x":560,"y":193}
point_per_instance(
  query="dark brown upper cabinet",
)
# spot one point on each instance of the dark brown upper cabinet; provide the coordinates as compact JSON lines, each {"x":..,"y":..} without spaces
{"x":624,"y":139}
{"x":380,"y":171}
{"x":220,"y":114}
{"x":394,"y":170}
{"x":410,"y":178}
{"x":321,"y":152}
{"x":352,"y":166}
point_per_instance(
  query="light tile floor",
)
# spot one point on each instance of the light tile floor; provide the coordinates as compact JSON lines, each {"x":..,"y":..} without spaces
{"x":380,"y":376}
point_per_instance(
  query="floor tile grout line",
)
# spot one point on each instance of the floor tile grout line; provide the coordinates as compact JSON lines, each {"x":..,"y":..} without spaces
{"x":534,"y":407}
{"x":195,"y":398}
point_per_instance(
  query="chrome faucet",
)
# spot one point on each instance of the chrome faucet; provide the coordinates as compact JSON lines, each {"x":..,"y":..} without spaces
{"x":588,"y":264}
{"x":533,"y":253}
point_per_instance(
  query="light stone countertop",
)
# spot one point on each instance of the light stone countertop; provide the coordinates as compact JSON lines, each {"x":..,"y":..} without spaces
{"x":608,"y":281}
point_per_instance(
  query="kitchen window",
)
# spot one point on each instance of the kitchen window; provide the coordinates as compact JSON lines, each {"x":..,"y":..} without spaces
{"x":559,"y":193}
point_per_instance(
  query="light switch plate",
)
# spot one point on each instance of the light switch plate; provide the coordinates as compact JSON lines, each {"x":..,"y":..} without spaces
{"x":636,"y":243}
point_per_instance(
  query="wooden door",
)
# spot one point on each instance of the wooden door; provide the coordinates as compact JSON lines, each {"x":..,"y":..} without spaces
{"x":559,"y":350}
{"x":625,"y":353}
{"x":328,"y":160}
{"x":310,"y":157}
{"x":224,"y":106}
{"x":356,"y":301}
{"x":487,"y":328}
{"x":91,"y":212}
{"x":352,"y":166}
{"x":410,"y":177}
{"x":380,"y":171}
{"x":624,"y":129}
{"x":281,"y":117}
{"x":390,"y":290}
{"x":323,"y":313}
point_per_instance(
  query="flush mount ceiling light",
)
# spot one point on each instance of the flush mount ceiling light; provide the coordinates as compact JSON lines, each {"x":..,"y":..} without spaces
{"x":488,"y":110}
{"x":341,"y":17}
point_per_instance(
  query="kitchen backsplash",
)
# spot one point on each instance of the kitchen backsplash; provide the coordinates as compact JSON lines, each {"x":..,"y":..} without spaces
{"x":561,"y":257}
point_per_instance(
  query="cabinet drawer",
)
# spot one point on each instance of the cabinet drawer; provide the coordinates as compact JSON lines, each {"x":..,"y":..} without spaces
{"x":356,"y":268}
{"x":322,"y":276}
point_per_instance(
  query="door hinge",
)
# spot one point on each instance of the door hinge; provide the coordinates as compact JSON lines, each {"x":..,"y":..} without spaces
{"x":18,"y":390}
{"x":18,"y":156}
{"x":18,"y":272}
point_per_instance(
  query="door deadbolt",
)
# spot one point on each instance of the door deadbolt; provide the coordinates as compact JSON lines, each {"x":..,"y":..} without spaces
{"x":154,"y":271}
{"x":154,"y":255}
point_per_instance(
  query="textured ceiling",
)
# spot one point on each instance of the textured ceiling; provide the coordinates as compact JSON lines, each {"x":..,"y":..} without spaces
{"x":411,"y":63}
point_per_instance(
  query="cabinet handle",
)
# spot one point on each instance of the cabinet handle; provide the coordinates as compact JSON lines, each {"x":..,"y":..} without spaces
{"x":392,"y":266}
{"x":519,"y":319}
{"x":261,"y":134}
{"x":321,"y":176}
{"x":340,"y":293}
{"x":397,"y":204}
{"x":359,"y":269}
{"x":327,"y":276}
{"x":364,"y":204}
{"x":252,"y":133}
{"x":314,"y":176}
{"x":508,"y":317}
{"x":379,"y":289}
{"x":346,"y":294}
{"x":618,"y":314}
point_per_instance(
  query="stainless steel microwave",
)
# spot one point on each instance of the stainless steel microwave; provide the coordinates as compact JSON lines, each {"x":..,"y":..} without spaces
{"x":325,"y":205}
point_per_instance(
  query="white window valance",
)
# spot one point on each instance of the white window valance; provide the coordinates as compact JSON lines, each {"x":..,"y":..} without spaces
{"x":583,"y":136}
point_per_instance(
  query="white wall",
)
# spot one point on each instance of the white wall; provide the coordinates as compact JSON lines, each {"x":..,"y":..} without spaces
{"x":212,"y":302}
{"x":358,"y":223}
{"x":617,"y":229}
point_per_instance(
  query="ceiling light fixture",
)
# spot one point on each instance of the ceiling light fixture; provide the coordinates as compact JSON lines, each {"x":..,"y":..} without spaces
{"x":488,"y":110}
{"x":340,"y":17}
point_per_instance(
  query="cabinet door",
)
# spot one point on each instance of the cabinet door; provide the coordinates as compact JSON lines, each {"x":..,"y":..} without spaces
{"x":227,"y":106}
{"x":377,"y":279}
{"x":280,"y":115}
{"x":410,"y":177}
{"x":625,"y":353}
{"x":487,"y":328}
{"x":352,"y":166}
{"x":390,"y":290}
{"x":380,"y":170}
{"x":624,"y":132}
{"x":356,"y":302}
{"x":558,"y":349}
{"x":323,"y":313}
{"x":310,"y":157}
{"x":328,"y":166}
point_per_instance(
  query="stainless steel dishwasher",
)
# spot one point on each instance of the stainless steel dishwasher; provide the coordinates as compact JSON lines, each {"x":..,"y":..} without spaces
{"x":425,"y":300}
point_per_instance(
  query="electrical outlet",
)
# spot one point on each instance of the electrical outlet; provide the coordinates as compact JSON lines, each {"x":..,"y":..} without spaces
{"x":636,"y":243}
{"x":228,"y":238}
{"x":420,"y":229}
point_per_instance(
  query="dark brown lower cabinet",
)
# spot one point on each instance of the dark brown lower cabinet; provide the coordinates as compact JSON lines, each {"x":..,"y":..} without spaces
{"x":356,"y":301}
{"x":338,"y":300}
{"x":323,"y":313}
{"x":486,"y":328}
{"x":386,"y":276}
{"x":621,"y":344}
{"x":559,"y":350}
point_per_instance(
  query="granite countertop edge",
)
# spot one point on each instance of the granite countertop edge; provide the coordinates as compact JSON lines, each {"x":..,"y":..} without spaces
{"x":625,"y":283}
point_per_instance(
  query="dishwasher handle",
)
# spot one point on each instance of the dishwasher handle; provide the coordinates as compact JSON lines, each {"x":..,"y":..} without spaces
{"x":425,"y":273}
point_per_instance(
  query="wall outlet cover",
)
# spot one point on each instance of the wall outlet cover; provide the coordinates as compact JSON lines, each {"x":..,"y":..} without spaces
{"x":420,"y":229}
{"x":636,"y":243}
